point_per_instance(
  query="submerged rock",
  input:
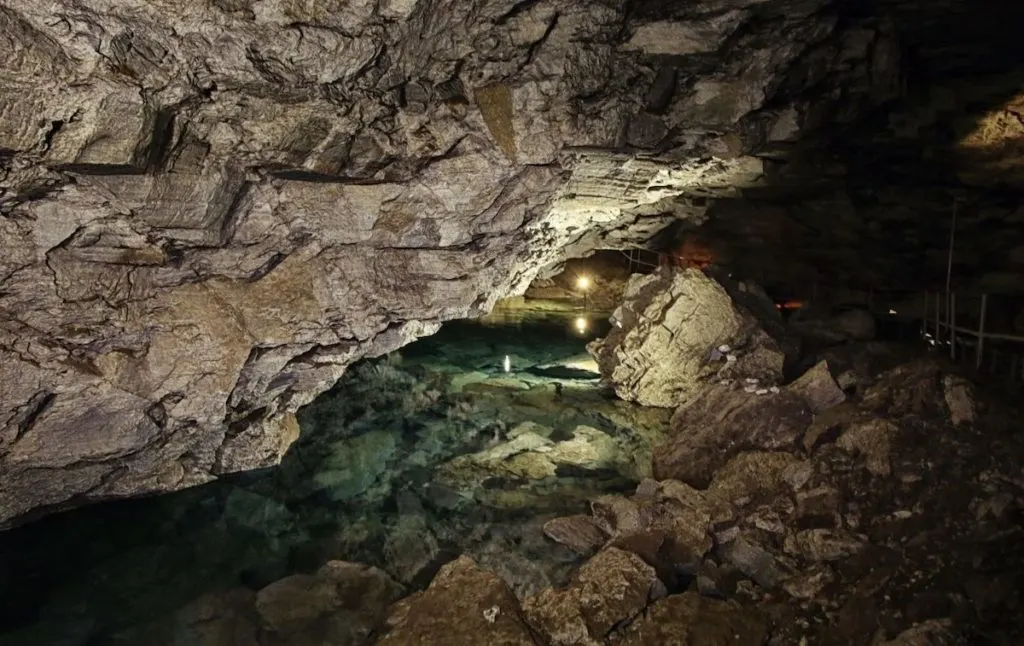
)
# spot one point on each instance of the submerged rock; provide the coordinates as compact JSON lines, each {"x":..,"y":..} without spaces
{"x":225,"y":618}
{"x":410,"y":547}
{"x":579,"y":533}
{"x":660,"y":351}
{"x":522,"y":468}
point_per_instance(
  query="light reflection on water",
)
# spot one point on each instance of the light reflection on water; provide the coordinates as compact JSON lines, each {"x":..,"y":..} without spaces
{"x":85,"y":575}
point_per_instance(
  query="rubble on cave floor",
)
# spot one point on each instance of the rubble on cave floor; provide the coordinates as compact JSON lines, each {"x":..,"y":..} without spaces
{"x":884,"y":523}
{"x":888,"y":514}
{"x":875,"y":500}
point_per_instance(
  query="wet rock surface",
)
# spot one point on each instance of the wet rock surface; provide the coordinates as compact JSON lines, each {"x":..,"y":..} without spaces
{"x":514,"y":512}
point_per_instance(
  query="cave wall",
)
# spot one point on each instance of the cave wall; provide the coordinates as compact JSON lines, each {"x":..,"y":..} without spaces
{"x":208,"y":209}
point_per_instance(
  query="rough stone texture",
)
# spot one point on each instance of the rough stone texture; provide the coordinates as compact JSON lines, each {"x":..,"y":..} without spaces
{"x":612,"y":587}
{"x":723,"y":422}
{"x":910,"y":388}
{"x":959,"y":396}
{"x":344,"y":602}
{"x":223,"y":619}
{"x":464,"y":606}
{"x":579,"y":533}
{"x":758,"y":473}
{"x":818,"y":388}
{"x":934,"y":632}
{"x":873,"y":440}
{"x":691,"y":619}
{"x":662,"y":350}
{"x":667,"y":524}
{"x":210,"y":209}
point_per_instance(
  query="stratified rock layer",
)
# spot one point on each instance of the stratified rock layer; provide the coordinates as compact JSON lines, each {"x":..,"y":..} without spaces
{"x":674,"y":333}
{"x":208,"y":209}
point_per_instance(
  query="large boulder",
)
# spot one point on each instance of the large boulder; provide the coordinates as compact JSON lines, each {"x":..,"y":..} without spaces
{"x":613,"y":587}
{"x":913,"y":388}
{"x":674,"y":333}
{"x":667,"y":524}
{"x":342,"y":604}
{"x":464,"y":606}
{"x":723,"y":422}
{"x":691,"y":619}
{"x":818,"y":388}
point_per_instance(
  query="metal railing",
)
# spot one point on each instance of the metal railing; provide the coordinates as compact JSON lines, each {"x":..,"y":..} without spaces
{"x":992,"y":351}
{"x":948,"y":332}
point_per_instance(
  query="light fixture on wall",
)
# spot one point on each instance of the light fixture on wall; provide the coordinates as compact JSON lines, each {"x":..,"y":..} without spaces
{"x":583,"y":284}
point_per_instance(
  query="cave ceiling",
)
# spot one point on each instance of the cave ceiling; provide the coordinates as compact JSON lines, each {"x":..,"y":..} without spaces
{"x":209,"y":208}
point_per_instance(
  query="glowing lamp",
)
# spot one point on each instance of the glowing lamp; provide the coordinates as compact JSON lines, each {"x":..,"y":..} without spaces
{"x":507,"y":363}
{"x":581,"y":325}
{"x":583,"y":282}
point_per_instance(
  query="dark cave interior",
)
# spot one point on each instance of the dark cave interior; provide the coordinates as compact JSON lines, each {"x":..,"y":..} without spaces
{"x":711,"y":407}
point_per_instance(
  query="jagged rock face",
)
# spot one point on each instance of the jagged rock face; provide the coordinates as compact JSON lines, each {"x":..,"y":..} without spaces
{"x":209,"y":209}
{"x":674,"y":333}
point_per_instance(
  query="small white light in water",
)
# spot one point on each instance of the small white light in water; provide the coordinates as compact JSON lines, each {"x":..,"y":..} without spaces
{"x":507,"y":363}
{"x":583,"y":282}
{"x":892,"y":312}
{"x":581,"y":325}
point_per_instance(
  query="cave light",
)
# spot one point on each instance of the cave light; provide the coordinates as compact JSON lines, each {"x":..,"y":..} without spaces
{"x":892,"y":312}
{"x":507,"y":363}
{"x":583,"y":283}
{"x":581,"y":325}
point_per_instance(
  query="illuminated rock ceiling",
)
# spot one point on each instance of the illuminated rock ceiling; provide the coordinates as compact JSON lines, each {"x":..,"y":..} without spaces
{"x":209,"y":208}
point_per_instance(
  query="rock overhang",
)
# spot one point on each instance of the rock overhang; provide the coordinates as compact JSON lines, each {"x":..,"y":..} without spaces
{"x":209,"y":211}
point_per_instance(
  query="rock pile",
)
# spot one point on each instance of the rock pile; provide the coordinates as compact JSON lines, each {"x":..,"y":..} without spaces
{"x":882,"y":518}
{"x":886,"y":514}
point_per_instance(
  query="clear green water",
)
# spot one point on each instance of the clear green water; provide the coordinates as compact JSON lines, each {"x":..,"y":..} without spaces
{"x":360,"y":484}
